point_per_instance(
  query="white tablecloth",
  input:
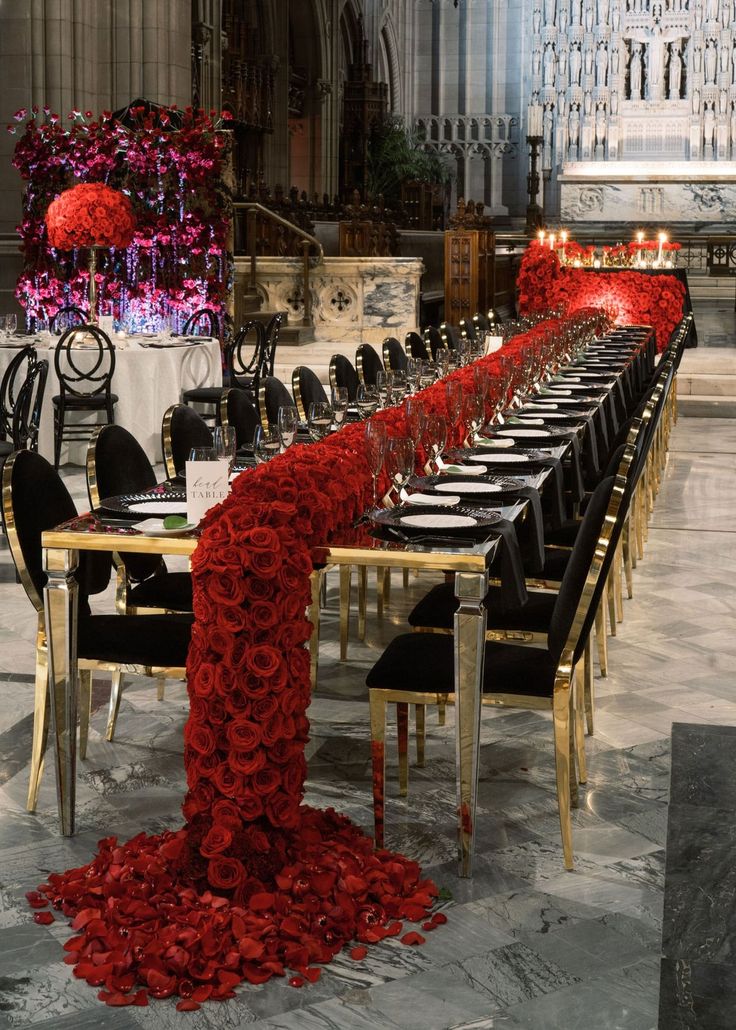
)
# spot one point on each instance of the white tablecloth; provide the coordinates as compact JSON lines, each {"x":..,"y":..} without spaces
{"x":147,"y":380}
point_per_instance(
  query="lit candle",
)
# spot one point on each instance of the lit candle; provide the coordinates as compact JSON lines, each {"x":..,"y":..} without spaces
{"x":596,"y":263}
{"x":551,"y":241}
{"x":540,"y":236}
{"x":640,"y":241}
{"x":662,"y":240}
{"x":563,"y":238}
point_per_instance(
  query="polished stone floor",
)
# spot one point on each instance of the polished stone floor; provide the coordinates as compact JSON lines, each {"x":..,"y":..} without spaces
{"x":715,"y":322}
{"x":527,"y":945}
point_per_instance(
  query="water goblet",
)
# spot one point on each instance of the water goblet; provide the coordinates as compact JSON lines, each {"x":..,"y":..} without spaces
{"x":319,"y":419}
{"x":340,"y":402}
{"x":11,"y":324}
{"x":454,"y":400}
{"x":223,"y":438}
{"x":473,"y":414}
{"x":399,"y":460}
{"x":415,"y":418}
{"x":266,"y":443}
{"x":375,"y":448}
{"x":288,"y":423}
{"x":367,"y":400}
{"x":435,"y":438}
{"x":443,"y":360}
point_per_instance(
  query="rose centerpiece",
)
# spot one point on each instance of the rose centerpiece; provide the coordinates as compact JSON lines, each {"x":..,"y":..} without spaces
{"x":92,"y":215}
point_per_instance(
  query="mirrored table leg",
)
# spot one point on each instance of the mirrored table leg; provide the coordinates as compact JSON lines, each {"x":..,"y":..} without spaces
{"x":470,"y":632}
{"x":60,"y":597}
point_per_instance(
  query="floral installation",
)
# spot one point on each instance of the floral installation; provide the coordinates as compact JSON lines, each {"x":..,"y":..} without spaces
{"x":628,"y":297}
{"x":169,"y":164}
{"x":90,"y":215}
{"x":256,"y":884}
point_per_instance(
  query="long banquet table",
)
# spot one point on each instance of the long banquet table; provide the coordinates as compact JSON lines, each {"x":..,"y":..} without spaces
{"x":149,"y":377}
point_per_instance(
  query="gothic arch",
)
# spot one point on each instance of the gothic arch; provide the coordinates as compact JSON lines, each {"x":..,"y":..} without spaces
{"x":390,"y":70}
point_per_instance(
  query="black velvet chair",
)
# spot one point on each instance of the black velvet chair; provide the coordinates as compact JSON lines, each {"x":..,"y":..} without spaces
{"x":433,"y":341}
{"x":394,"y":355}
{"x":272,"y":395}
{"x":450,"y":335}
{"x":342,"y":373}
{"x":84,"y":362}
{"x":307,"y":389}
{"x":117,"y":464}
{"x":34,"y":500}
{"x":419,"y":668}
{"x":368,"y":363}
{"x":181,"y":429}
{"x":239,"y":411}
{"x":416,"y":347}
{"x":468,"y":328}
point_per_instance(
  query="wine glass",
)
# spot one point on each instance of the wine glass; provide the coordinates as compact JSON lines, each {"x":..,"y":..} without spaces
{"x":399,"y":460}
{"x":443,"y":360}
{"x":375,"y":447}
{"x":473,"y":413}
{"x":202,"y":454}
{"x":11,"y":324}
{"x":223,"y":438}
{"x":288,"y":423}
{"x":415,"y":417}
{"x":454,"y":400}
{"x":319,"y":419}
{"x":340,"y":402}
{"x":435,"y":438}
{"x":367,"y":400}
{"x":266,"y":443}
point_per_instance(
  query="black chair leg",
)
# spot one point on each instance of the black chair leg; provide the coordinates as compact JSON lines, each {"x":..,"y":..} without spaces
{"x":58,"y":435}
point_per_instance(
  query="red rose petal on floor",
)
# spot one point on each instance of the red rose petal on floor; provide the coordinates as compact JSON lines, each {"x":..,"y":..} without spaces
{"x":313,"y":973}
{"x":44,"y":918}
{"x":36,"y":900}
{"x":439,"y":918}
{"x":188,"y":1005}
{"x":296,"y":981}
{"x":394,"y":929}
{"x":358,"y":953}
{"x":429,"y":926}
{"x":262,"y":901}
{"x":412,"y":938}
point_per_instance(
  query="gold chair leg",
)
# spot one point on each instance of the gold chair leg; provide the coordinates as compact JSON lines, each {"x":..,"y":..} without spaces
{"x":402,"y":726}
{"x":420,"y":732}
{"x":40,"y":729}
{"x":406,"y":579}
{"x":85,"y":709}
{"x":345,"y":577}
{"x":563,"y":754}
{"x":601,"y":637}
{"x":378,"y":758}
{"x":116,"y":691}
{"x":628,"y":563}
{"x":380,"y":590}
{"x":588,"y":686}
{"x":441,"y":712}
{"x":362,"y":599}
{"x":317,"y":578}
{"x":578,"y":735}
{"x":387,"y":586}
{"x":617,"y":583}
{"x":611,"y":606}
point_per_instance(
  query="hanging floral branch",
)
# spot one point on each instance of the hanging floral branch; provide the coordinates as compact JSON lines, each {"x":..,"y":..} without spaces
{"x":170,"y":164}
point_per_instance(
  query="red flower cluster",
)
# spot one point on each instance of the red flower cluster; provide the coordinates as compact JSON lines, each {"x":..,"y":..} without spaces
{"x":90,"y":215}
{"x":628,"y":297}
{"x":256,"y":883}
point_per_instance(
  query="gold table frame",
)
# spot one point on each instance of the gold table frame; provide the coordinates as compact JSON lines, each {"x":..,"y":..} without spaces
{"x":469,"y":564}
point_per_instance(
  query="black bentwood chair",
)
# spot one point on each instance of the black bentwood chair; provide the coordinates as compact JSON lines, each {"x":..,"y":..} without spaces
{"x":239,"y":411}
{"x":246,"y":356}
{"x":84,"y":362}
{"x":419,"y":669}
{"x":307,"y":389}
{"x":66,"y":317}
{"x":35,"y":499}
{"x":181,"y":429}
{"x":21,"y":399}
{"x":203,"y":323}
{"x":368,"y":364}
{"x":394,"y":355}
{"x":117,"y":464}
{"x":342,"y":373}
{"x":272,"y":395}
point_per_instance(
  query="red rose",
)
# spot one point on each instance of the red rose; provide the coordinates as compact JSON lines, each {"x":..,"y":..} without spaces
{"x":266,"y":780}
{"x":247,"y":762}
{"x":218,"y":839}
{"x":244,"y":735}
{"x":264,"y":661}
{"x":200,"y":739}
{"x":225,"y":873}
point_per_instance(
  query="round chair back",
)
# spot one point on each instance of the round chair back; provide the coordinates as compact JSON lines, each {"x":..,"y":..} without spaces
{"x":450,"y":336}
{"x":10,"y":387}
{"x":307,"y":389}
{"x":66,"y":317}
{"x":368,"y":364}
{"x":272,"y":395}
{"x":84,"y":362}
{"x":239,"y":411}
{"x":204,"y":322}
{"x":27,"y":411}
{"x":182,"y":429}
{"x":245,"y":355}
{"x":394,"y":355}
{"x":273,"y":331}
{"x":342,"y":373}
{"x":433,"y":340}
{"x":416,"y":347}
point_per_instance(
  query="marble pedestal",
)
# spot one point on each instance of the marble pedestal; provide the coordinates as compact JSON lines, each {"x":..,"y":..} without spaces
{"x":664,"y":193}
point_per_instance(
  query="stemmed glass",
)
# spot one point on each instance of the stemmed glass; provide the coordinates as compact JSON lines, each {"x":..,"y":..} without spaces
{"x":443,"y":360}
{"x":11,"y":324}
{"x":384,"y":386}
{"x":413,"y":372}
{"x":367,"y":400}
{"x":288,"y":423}
{"x":223,"y":438}
{"x":266,"y":443}
{"x":399,"y":461}
{"x":319,"y":419}
{"x":435,"y":438}
{"x":473,"y":414}
{"x":454,"y":401}
{"x":375,"y":448}
{"x":415,"y":418}
{"x":339,"y":404}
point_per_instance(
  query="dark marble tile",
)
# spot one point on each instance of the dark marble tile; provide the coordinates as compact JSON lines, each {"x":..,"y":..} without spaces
{"x":697,"y":995}
{"x":511,"y":974}
{"x":702,"y":763}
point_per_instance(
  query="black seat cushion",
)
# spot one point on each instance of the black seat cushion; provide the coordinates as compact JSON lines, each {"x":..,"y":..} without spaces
{"x":424,"y":662}
{"x":204,"y":393}
{"x":91,"y":402}
{"x":135,"y":639}
{"x":6,"y":448}
{"x":169,"y":590}
{"x":437,"y":608}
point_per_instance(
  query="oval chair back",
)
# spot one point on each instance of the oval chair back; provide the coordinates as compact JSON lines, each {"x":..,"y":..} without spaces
{"x":368,"y":363}
{"x":204,"y":322}
{"x":182,"y":428}
{"x":273,"y":331}
{"x":342,"y":373}
{"x":450,"y":335}
{"x":481,"y":322}
{"x":394,"y":355}
{"x":307,"y":389}
{"x":84,"y":362}
{"x":415,"y":346}
{"x":10,"y":386}
{"x":239,"y":411}
{"x":469,"y":329}
{"x":67,"y":317}
{"x":28,"y":407}
{"x":272,"y":395}
{"x":245,"y":355}
{"x":432,"y":340}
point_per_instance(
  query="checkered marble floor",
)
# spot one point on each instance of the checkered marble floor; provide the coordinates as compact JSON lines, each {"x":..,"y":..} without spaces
{"x":527,"y":945}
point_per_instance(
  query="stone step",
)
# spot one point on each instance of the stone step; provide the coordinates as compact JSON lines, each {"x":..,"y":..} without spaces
{"x":706,"y":406}
{"x":706,"y":384}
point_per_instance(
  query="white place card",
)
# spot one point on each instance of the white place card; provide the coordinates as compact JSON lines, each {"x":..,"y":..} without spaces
{"x":492,"y":344}
{"x":207,"y":485}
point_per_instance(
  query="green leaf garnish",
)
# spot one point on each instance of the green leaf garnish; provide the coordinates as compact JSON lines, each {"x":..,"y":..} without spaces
{"x":175,"y":522}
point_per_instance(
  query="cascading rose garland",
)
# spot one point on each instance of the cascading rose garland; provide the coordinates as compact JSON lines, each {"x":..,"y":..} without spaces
{"x":629,"y":298}
{"x":256,"y":884}
{"x":90,"y":215}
